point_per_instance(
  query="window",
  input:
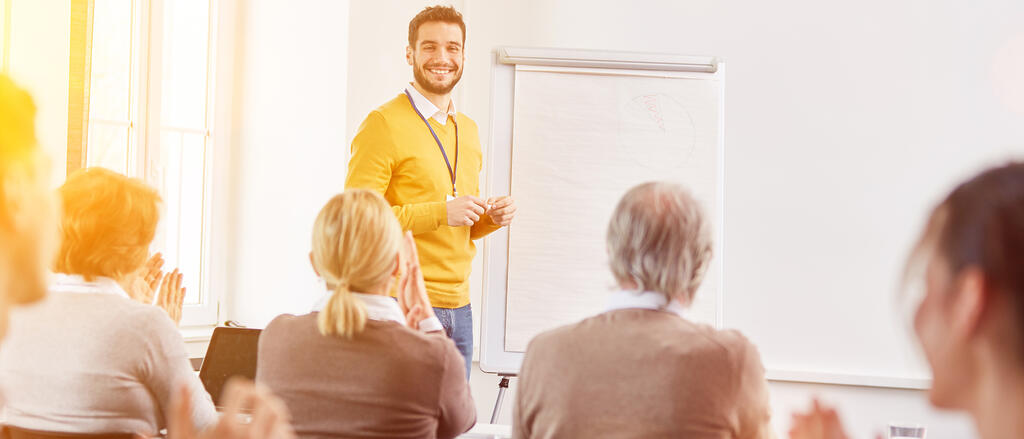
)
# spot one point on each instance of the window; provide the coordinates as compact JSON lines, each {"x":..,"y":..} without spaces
{"x":152,"y":114}
{"x":5,"y":33}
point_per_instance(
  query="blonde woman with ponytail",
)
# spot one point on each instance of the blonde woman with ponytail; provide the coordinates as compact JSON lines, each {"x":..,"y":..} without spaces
{"x":364,"y":364}
{"x":349,"y":259}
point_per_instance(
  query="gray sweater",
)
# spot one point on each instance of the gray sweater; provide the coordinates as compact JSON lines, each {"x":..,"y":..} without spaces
{"x":92,"y":362}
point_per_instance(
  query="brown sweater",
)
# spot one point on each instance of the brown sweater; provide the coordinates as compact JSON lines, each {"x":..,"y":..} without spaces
{"x":387,"y":382}
{"x":637,"y":373}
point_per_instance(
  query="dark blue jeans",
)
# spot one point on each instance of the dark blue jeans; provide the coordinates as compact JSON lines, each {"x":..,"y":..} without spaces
{"x":458,"y":325}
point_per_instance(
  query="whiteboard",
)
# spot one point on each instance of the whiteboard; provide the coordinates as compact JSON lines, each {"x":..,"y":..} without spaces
{"x":581,"y":139}
{"x":884,"y":354}
{"x":583,"y":135}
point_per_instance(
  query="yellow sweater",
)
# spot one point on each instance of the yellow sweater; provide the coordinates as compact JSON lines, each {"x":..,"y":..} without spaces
{"x":394,"y":154}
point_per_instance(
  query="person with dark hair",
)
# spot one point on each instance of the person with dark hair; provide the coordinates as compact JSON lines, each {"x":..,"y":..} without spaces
{"x":425,"y":158}
{"x":970,"y":322}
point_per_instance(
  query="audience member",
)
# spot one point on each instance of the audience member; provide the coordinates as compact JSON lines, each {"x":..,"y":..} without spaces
{"x":641,"y":369}
{"x":363,"y":364}
{"x":28,"y":231}
{"x":970,"y":321}
{"x":89,"y":359}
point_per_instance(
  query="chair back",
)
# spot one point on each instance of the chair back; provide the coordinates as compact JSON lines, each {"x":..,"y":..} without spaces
{"x":9,"y":432}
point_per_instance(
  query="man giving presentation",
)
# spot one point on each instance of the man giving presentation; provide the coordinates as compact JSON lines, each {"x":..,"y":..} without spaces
{"x":425,"y":158}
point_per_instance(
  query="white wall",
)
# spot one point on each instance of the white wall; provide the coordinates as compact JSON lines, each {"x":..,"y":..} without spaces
{"x":40,"y":35}
{"x":824,"y":85}
{"x":820,"y":83}
{"x":289,"y":150}
{"x":817,"y":82}
{"x":843,"y":123}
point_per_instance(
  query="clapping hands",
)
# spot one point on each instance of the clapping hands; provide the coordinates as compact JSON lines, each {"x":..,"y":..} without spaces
{"x":148,"y":280}
{"x":270,"y":418}
{"x":819,"y":423}
{"x":412,"y":291}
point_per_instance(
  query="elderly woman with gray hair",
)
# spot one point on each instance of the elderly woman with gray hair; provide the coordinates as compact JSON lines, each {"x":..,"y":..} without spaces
{"x":641,"y":369}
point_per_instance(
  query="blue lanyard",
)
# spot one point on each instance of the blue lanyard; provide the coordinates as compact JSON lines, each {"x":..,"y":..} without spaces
{"x":451,"y":169}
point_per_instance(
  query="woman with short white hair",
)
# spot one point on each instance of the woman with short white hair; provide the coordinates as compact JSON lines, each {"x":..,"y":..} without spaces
{"x":641,"y":369}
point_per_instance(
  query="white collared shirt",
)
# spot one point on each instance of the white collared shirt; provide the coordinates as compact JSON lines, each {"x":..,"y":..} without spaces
{"x":624,"y":299}
{"x":73,"y":283}
{"x":383,"y":308}
{"x":428,"y":109}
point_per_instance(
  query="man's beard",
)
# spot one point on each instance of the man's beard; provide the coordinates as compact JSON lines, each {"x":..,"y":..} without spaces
{"x":421,"y":78}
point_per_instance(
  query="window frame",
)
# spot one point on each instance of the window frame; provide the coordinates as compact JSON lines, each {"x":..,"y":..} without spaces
{"x":5,"y":36}
{"x":144,"y":158}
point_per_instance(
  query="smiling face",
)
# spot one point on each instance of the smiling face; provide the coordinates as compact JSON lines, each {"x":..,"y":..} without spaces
{"x":437,"y":57}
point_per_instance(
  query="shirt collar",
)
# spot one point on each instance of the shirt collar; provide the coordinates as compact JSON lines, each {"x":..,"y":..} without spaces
{"x":73,"y":283}
{"x":378,"y":307}
{"x":624,"y":299}
{"x":428,"y":109}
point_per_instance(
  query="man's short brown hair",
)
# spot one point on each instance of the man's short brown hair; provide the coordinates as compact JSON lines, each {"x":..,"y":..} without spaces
{"x":445,"y":14}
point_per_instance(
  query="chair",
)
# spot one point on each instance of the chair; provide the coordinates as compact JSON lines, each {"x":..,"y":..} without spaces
{"x":9,"y":432}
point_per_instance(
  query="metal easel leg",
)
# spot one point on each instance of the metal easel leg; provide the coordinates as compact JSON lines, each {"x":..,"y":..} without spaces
{"x":502,"y":386}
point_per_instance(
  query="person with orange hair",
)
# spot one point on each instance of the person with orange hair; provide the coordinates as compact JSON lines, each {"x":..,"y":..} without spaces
{"x":89,"y":359}
{"x":28,"y":235}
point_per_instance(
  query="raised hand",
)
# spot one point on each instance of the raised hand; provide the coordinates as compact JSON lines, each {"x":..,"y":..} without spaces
{"x":172,"y":296}
{"x":820,"y":423}
{"x":501,"y":210}
{"x":465,"y":210}
{"x":141,"y":285}
{"x":412,"y":291}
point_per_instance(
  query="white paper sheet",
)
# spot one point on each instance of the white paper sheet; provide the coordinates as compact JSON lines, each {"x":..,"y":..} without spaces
{"x":580,"y":141}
